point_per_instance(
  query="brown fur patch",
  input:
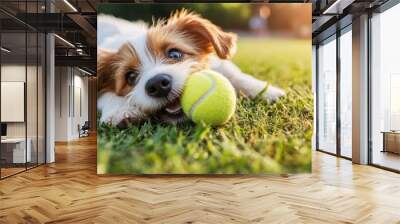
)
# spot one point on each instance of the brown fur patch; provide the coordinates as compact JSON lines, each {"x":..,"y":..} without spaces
{"x":194,"y":36}
{"x":106,"y":66}
{"x":205,"y":36}
{"x":113,"y":67}
{"x":160,"y":41}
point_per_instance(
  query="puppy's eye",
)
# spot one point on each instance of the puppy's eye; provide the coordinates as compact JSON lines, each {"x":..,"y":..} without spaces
{"x":174,"y":54}
{"x":131,"y":77}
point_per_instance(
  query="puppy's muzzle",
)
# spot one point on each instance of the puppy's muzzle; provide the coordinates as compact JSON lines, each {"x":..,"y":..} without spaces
{"x":159,"y":86}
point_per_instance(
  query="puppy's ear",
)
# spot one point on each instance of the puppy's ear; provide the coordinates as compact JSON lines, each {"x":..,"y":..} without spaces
{"x":112,"y":68}
{"x":205,"y":35}
{"x":106,"y":68}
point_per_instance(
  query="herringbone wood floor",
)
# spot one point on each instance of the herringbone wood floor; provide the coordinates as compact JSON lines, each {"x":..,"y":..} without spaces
{"x":69,"y":191}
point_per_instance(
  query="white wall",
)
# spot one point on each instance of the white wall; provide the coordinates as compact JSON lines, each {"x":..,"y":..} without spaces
{"x":80,"y":110}
{"x":71,"y":94}
{"x":61,"y":103}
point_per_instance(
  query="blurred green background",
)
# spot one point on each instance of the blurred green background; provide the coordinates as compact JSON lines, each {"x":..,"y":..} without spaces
{"x":261,"y":138}
{"x":227,"y":15}
{"x":293,"y":20}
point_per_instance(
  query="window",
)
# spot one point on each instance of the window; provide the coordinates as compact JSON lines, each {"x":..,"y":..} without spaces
{"x":327,"y":96}
{"x":346,"y":93}
{"x":22,"y":75}
{"x":385,"y":89}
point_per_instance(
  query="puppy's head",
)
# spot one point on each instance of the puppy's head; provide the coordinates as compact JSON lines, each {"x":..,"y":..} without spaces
{"x":150,"y":69}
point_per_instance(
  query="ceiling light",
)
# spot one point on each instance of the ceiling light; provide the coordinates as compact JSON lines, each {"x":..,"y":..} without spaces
{"x":65,"y":41}
{"x":84,"y":71}
{"x":70,"y":5}
{"x":5,"y":50}
{"x":79,"y":51}
{"x":337,"y":7}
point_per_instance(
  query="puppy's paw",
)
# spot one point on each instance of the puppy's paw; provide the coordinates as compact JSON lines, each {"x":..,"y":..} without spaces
{"x":273,"y":94}
{"x":105,"y":119}
{"x":119,"y":118}
{"x":127,"y":119}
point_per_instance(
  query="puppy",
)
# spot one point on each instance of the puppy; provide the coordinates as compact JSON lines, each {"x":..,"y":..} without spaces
{"x":142,"y":70}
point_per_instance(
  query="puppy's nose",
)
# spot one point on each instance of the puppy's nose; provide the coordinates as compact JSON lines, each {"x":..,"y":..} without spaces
{"x":159,"y":85}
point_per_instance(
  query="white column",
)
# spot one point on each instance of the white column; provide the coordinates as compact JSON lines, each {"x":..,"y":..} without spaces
{"x":360,"y":90}
{"x":50,"y":92}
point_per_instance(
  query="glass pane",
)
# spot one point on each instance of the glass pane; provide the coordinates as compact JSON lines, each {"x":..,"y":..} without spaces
{"x":31,"y":87}
{"x":327,"y":97}
{"x":13,"y":86}
{"x":386,"y":89}
{"x":23,"y":89}
{"x":41,"y":98}
{"x":31,"y":98}
{"x":314,"y":85}
{"x":346,"y":94}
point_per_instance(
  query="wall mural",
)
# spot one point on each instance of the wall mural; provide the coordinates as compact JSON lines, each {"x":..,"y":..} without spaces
{"x":215,"y":88}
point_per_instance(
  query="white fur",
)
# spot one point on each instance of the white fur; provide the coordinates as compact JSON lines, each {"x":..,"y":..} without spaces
{"x":110,"y":105}
{"x":114,"y":32}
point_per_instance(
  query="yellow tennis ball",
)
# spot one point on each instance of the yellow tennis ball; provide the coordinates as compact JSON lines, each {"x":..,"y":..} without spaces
{"x":208,"y":97}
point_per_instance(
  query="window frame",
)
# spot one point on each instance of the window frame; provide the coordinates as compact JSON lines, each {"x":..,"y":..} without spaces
{"x":334,"y":37}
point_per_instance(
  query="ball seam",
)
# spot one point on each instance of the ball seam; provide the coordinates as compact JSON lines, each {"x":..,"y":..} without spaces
{"x":203,"y":97}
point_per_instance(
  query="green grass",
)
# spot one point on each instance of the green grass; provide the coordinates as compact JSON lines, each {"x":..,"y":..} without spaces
{"x":261,"y":138}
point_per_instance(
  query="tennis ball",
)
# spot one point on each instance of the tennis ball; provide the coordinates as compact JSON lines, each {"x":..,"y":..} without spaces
{"x":208,"y":97}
